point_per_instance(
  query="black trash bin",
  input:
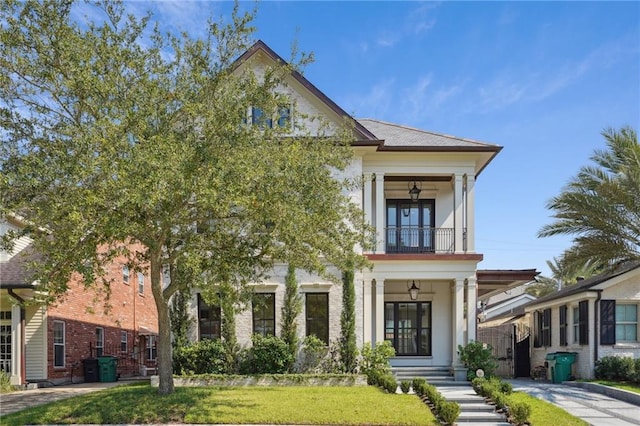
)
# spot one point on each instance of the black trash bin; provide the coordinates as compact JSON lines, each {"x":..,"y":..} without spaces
{"x":90,"y":368}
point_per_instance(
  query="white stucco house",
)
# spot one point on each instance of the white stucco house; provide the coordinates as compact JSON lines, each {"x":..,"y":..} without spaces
{"x":419,"y":194}
{"x":594,"y":318}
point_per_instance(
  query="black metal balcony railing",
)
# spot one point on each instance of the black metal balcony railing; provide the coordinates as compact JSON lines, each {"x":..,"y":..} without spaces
{"x":419,"y":239}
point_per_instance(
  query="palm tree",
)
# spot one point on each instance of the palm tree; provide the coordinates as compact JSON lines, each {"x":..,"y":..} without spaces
{"x":563,"y":274}
{"x":601,"y":205}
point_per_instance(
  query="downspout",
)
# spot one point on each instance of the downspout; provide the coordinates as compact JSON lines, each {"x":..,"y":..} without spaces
{"x":595,"y":326}
{"x":23,"y":352}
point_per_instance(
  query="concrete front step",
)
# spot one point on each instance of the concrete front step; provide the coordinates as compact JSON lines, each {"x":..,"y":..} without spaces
{"x":480,"y":417}
{"x":483,"y":423}
{"x":474,"y":406}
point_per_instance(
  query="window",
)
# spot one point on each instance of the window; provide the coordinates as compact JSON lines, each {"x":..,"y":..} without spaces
{"x":583,"y":323}
{"x":259,"y":118}
{"x":576,"y":324}
{"x":264,"y":314}
{"x":317,"y":315}
{"x":152,"y":348}
{"x":542,"y":324}
{"x":125,"y":274}
{"x":123,"y":341}
{"x":208,"y":320}
{"x":99,"y":341}
{"x":264,"y":120}
{"x":410,"y":226}
{"x":58,"y":344}
{"x":140,"y":283}
{"x":607,"y":322}
{"x":626,"y":322}
{"x":563,"y":325}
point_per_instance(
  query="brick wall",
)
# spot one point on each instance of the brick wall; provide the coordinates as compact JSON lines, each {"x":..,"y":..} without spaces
{"x":115,"y":308}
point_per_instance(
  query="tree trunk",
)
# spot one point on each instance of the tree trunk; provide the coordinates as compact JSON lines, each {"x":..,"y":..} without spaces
{"x":165,"y":360}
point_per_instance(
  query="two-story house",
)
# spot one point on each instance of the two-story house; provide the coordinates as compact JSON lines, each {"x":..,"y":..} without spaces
{"x":49,"y":344}
{"x":418,"y":193}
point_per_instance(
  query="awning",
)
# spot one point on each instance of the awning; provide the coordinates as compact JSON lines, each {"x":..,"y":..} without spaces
{"x":144,"y":331}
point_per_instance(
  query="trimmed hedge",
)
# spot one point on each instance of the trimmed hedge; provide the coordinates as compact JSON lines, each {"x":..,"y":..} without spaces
{"x":448,"y":411}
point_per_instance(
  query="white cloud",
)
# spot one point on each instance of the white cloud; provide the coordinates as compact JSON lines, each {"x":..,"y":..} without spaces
{"x":375,"y":103}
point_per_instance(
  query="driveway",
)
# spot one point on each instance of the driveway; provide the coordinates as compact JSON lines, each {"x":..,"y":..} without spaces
{"x":594,"y":408}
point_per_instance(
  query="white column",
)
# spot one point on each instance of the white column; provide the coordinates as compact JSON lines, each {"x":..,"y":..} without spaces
{"x":458,"y":213}
{"x":16,"y":346}
{"x":472,"y":306}
{"x":457,"y":315}
{"x":380,"y":214}
{"x":379,"y":326}
{"x":471,"y":214}
{"x":367,"y":299}
{"x":367,"y":199}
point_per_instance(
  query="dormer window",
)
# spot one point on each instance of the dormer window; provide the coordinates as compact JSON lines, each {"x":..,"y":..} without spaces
{"x":259,"y":118}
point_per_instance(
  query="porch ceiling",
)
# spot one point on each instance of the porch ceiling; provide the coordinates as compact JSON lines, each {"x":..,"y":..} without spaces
{"x":493,"y":281}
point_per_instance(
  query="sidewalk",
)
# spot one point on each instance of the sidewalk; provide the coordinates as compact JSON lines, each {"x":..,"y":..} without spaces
{"x":19,"y":400}
{"x":594,"y":408}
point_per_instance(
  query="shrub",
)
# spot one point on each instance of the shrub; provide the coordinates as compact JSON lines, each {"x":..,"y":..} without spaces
{"x":389,"y":383}
{"x":636,"y":374}
{"x":506,"y":387}
{"x":617,"y":368}
{"x":418,"y":386}
{"x":520,"y":412}
{"x":477,"y":355}
{"x":500,"y":400}
{"x":405,"y":385}
{"x":269,"y":354}
{"x":203,"y":357}
{"x":5,"y":382}
{"x":312,"y":353}
{"x":449,"y":411}
{"x":376,"y":359}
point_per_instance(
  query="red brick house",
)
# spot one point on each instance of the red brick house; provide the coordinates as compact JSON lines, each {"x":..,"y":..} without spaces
{"x":40,"y":344}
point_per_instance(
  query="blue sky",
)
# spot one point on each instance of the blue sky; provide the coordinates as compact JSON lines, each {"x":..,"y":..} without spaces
{"x":542,"y":79}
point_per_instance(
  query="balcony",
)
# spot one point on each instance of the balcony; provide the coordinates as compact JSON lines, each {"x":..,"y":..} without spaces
{"x":419,"y":239}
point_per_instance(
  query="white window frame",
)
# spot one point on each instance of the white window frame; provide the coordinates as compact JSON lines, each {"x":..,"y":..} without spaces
{"x":124,"y":339}
{"x":626,"y":323}
{"x":575,"y":324}
{"x":99,"y":341}
{"x":140,"y":283}
{"x":125,"y":274}
{"x":151,"y":344}
{"x":58,"y":344}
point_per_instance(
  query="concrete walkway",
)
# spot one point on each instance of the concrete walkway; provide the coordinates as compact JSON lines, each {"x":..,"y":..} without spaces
{"x":19,"y":400}
{"x":594,"y":408}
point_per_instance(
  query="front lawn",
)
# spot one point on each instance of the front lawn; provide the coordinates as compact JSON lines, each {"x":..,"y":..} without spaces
{"x":544,"y":413}
{"x":620,"y":385}
{"x":241,"y":405}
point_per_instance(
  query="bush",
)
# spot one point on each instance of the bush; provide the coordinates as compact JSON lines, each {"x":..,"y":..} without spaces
{"x":449,"y":411}
{"x":477,"y":355}
{"x":376,"y":359}
{"x":312,"y":353}
{"x":388,"y":383}
{"x":500,"y":399}
{"x":520,"y":412}
{"x":405,"y":385}
{"x":5,"y":382}
{"x":636,"y":374}
{"x":203,"y":357}
{"x":506,"y":388}
{"x":269,"y":354}
{"x":616,"y":368}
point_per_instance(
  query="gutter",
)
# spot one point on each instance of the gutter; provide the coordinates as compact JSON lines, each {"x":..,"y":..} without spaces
{"x":23,"y":352}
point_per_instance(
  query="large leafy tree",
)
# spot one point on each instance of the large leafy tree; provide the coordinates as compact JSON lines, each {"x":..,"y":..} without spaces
{"x":115,"y":134}
{"x":600,"y":206}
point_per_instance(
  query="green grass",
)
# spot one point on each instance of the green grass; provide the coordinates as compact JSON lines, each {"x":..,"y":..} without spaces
{"x":241,"y":405}
{"x":544,"y":413}
{"x":620,"y":385}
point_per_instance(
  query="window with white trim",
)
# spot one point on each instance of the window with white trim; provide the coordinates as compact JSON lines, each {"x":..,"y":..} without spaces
{"x":140,"y":283}
{"x":626,"y":322}
{"x":152,"y":351}
{"x":58,"y":344}
{"x":123,"y":341}
{"x":576,"y":324}
{"x":125,"y":274}
{"x":99,"y":341}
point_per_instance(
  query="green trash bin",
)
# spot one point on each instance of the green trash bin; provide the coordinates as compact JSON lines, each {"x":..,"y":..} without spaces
{"x":550,"y":362}
{"x":564,"y":361}
{"x":107,"y":368}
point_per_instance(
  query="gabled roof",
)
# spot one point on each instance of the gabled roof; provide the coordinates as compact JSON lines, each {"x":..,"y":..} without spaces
{"x":385,"y":136}
{"x":586,"y":285}
{"x":363,"y":135}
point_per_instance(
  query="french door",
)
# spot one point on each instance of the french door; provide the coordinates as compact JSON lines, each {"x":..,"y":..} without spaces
{"x":410,"y":226}
{"x":408,"y":327}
